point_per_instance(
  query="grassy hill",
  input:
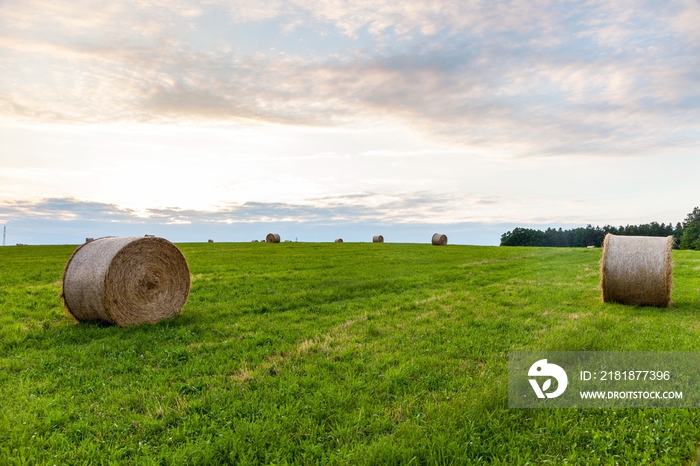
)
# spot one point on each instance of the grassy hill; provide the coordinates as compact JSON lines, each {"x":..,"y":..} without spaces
{"x":332,"y":354}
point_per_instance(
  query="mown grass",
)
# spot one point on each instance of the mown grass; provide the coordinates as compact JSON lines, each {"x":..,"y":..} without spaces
{"x":332,"y":354}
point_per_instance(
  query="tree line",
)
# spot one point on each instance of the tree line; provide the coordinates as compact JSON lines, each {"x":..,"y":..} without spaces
{"x":686,"y":234}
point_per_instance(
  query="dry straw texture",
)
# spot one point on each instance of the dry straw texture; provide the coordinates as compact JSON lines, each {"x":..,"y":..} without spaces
{"x":126,"y":281}
{"x":439,"y":240}
{"x":339,"y":240}
{"x":637,"y":270}
{"x":378,"y":239}
{"x":272,"y":238}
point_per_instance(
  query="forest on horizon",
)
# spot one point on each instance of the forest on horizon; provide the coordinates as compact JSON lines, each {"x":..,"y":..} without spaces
{"x":686,"y":234}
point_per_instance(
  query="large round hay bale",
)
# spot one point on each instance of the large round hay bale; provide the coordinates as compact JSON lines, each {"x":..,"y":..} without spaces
{"x":637,"y":270}
{"x":378,"y":239}
{"x":272,"y":238}
{"x":339,"y":240}
{"x":126,"y":281}
{"x":439,"y":240}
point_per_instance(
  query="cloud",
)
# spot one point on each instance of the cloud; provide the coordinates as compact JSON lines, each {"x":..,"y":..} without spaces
{"x":506,"y":77}
{"x":407,"y":208}
{"x":686,"y":21}
{"x":64,"y":209}
{"x":411,"y":217}
{"x":360,"y":207}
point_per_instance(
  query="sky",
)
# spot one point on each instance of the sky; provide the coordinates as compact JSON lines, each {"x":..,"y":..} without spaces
{"x":320,"y":119}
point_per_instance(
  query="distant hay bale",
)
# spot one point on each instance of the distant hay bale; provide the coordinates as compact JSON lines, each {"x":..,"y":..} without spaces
{"x":287,"y":241}
{"x":439,"y":240}
{"x":87,"y":240}
{"x":126,"y":281}
{"x":255,"y":241}
{"x":339,"y":240}
{"x":272,"y":238}
{"x":637,"y":270}
{"x":210,"y":241}
{"x":378,"y":239}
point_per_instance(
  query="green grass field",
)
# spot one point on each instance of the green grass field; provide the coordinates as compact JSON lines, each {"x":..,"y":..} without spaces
{"x":332,"y":354}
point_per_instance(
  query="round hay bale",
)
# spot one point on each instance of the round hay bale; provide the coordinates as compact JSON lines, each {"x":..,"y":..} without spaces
{"x":378,"y":239}
{"x":255,"y":241}
{"x":126,"y":281}
{"x":210,"y":241}
{"x":439,"y":240}
{"x":339,"y":240}
{"x":637,"y":270}
{"x":272,"y":238}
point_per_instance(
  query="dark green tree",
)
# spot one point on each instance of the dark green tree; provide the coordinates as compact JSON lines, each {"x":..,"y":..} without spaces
{"x":693,"y":217}
{"x":691,"y":236}
{"x":677,"y":234}
{"x":524,"y":237}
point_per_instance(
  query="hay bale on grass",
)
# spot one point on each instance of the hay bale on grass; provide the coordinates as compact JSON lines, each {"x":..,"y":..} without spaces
{"x":439,"y":240}
{"x":339,"y":240}
{"x":272,"y":238}
{"x":126,"y":281}
{"x":637,"y":270}
{"x":210,"y":241}
{"x":378,"y":239}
